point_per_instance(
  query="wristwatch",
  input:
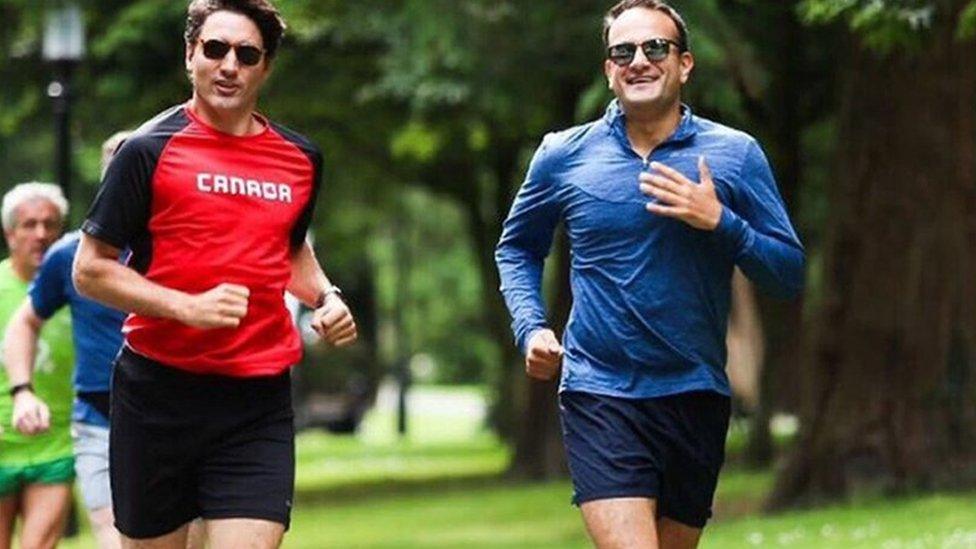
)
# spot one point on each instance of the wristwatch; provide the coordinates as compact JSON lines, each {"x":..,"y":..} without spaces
{"x":326,"y":293}
{"x":21,"y":387}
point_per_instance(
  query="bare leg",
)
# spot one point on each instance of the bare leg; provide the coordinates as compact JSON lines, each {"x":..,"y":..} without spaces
{"x":8,"y":512}
{"x":45,"y":510}
{"x":621,"y":523}
{"x":173,"y":540}
{"x":103,"y":526}
{"x":244,"y":533}
{"x":675,"y":535}
{"x":197,"y":537}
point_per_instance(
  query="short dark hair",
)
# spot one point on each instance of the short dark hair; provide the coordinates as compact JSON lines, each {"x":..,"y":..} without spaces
{"x":262,"y":12}
{"x":656,"y":5}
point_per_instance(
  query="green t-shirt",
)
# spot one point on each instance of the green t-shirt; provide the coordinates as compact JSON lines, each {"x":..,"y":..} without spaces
{"x":52,"y":382}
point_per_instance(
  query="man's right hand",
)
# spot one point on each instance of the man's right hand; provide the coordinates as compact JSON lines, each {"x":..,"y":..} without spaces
{"x":544,"y":355}
{"x":220,"y":307}
{"x":30,"y":416}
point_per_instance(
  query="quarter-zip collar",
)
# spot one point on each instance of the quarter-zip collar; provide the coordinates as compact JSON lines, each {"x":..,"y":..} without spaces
{"x":616,"y":125}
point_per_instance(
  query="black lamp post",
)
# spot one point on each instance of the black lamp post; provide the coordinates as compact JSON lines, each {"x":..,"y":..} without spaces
{"x":64,"y":47}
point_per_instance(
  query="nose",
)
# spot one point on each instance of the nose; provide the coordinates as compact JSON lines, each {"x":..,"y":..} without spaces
{"x":43,"y":231}
{"x":640,"y":60}
{"x":230,"y":64}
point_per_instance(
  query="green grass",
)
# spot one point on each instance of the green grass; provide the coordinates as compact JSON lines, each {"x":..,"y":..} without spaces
{"x":441,"y":487}
{"x":943,"y":521}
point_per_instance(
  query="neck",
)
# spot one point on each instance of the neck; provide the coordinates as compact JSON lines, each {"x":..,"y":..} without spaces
{"x":648,"y":128}
{"x":239,"y":122}
{"x":23,"y":270}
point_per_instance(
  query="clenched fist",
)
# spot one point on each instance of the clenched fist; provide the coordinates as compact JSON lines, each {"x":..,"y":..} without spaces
{"x":30,"y":415}
{"x":334,"y":323}
{"x":222,"y":306}
{"x":544,"y":355}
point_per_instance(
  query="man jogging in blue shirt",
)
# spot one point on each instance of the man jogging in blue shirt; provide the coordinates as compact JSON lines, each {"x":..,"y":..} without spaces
{"x":660,"y":206}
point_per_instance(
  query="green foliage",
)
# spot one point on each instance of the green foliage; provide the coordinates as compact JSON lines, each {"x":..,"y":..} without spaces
{"x":417,"y":142}
{"x":889,"y":25}
{"x":423,"y":254}
{"x":967,"y":22}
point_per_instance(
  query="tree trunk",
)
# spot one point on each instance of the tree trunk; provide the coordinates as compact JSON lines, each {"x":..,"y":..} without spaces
{"x":538,"y":447}
{"x":890,"y":397}
{"x":780,"y":319}
{"x":485,"y":215}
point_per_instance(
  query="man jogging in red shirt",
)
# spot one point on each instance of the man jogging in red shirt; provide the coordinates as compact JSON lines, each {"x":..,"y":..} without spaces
{"x":214,"y":201}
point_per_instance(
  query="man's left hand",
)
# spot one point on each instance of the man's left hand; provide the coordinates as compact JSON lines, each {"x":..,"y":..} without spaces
{"x":334,"y":323}
{"x":680,"y":198}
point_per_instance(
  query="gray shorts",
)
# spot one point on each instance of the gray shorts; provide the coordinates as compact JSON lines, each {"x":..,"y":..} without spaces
{"x":91,"y":464}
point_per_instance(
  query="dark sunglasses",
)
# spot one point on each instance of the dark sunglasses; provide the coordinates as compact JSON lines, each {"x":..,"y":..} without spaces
{"x":655,"y":49}
{"x":217,"y":49}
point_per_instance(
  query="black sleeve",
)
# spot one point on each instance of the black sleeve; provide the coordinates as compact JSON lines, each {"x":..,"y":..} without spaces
{"x":120,"y":211}
{"x":305,"y":219}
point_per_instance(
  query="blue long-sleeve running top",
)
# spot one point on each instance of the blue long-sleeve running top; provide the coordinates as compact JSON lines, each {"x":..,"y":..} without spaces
{"x":651,"y":294}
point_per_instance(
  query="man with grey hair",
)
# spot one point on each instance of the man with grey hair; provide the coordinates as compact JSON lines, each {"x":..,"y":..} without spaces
{"x":35,"y":471}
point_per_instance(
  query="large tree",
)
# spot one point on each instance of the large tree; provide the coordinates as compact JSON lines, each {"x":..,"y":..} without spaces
{"x":890,"y":382}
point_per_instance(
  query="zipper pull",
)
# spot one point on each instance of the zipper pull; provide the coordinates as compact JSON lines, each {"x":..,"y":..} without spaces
{"x":646,"y":168}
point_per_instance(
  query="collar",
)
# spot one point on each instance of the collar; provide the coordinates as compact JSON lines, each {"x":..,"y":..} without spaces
{"x":614,"y":119}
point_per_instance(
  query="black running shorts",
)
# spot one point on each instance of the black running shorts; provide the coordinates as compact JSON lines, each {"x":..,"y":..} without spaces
{"x":184,"y":445}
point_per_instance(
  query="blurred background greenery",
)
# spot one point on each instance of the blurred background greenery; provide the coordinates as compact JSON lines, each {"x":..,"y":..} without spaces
{"x":427,"y":112}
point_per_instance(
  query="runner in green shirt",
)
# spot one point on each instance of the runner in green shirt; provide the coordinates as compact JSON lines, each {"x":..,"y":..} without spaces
{"x":36,"y":471}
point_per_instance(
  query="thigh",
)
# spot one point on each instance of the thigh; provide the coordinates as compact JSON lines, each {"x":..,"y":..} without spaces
{"x":239,"y":532}
{"x":45,"y":510}
{"x":621,"y":523}
{"x":675,"y":535}
{"x":91,"y":464}
{"x":696,"y":450}
{"x":8,"y":513}
{"x":103,"y":528}
{"x":607,"y":448}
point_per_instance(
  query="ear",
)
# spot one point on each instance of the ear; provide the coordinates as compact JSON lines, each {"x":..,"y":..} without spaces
{"x":608,"y":67}
{"x":188,"y":57}
{"x":687,"y":65}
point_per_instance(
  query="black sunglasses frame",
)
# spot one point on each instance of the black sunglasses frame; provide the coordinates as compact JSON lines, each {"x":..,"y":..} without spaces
{"x":655,"y":49}
{"x":216,"y":50}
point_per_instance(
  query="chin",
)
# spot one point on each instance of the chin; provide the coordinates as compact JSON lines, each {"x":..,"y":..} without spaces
{"x":641,"y":102}
{"x":225,"y":103}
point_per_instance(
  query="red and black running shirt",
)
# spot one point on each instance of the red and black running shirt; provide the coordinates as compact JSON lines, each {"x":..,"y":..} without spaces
{"x":198,"y":208}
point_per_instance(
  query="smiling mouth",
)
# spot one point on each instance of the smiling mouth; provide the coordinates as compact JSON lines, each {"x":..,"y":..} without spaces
{"x":642,"y":80}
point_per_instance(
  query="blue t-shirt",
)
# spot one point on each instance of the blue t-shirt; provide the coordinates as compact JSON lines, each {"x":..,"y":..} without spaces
{"x":96,"y":329}
{"x":651,"y":294}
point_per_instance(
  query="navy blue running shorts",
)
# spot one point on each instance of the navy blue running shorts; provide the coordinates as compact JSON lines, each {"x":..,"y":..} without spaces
{"x":669,"y":449}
